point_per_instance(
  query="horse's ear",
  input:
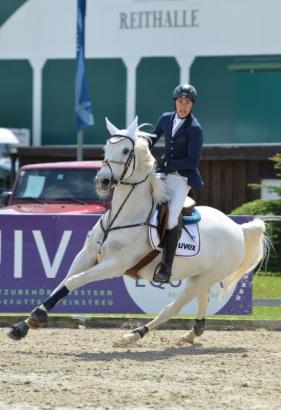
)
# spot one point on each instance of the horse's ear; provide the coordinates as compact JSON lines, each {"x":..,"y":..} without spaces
{"x":111,"y":128}
{"x":133,"y":127}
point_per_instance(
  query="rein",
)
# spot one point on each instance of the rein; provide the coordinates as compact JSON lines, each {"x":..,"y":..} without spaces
{"x":133,"y":185}
{"x":110,"y":228}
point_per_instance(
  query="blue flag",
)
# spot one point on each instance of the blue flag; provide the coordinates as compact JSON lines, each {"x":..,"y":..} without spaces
{"x":83,"y":106}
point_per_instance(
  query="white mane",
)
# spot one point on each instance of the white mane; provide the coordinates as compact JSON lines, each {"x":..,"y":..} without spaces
{"x":145,"y":160}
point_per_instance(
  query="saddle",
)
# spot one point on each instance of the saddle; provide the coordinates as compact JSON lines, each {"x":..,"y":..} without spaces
{"x":188,"y":206}
{"x":187,"y":217}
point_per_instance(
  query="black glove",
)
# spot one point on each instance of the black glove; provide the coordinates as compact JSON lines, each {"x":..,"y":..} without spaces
{"x":169,"y":167}
{"x":162,"y":165}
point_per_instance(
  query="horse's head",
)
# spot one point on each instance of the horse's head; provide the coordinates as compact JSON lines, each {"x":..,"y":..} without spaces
{"x":126,"y":155}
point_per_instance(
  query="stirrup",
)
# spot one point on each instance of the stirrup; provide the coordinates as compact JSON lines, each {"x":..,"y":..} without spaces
{"x":161,"y":277}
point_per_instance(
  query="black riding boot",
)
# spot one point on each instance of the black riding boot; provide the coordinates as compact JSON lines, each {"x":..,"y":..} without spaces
{"x":163,"y":274}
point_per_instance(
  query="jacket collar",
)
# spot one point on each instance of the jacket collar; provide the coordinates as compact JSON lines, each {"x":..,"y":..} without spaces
{"x":183,"y":125}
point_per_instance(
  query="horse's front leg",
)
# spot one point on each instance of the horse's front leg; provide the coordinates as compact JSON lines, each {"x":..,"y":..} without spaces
{"x":83,"y":261}
{"x":199,"y":324}
{"x":39,"y":316}
{"x":86,"y":258}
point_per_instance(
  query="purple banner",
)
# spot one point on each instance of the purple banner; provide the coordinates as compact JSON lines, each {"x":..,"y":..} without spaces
{"x":36,"y":252}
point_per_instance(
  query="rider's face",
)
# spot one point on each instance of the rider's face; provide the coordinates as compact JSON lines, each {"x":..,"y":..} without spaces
{"x":183,"y":107}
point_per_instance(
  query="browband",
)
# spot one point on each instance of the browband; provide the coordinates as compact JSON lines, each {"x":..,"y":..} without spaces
{"x":122,"y":137}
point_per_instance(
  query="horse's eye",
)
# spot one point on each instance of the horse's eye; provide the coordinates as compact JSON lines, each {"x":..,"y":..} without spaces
{"x":125,"y":151}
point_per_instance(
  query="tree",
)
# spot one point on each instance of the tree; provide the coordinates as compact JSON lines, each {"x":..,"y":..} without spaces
{"x":268,"y":207}
{"x":277,"y":159}
{"x":277,"y":189}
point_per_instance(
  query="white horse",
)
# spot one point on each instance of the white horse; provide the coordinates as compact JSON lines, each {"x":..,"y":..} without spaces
{"x":120,"y":240}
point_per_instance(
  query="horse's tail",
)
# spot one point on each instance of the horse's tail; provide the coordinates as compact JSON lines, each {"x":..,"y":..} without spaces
{"x":256,"y":250}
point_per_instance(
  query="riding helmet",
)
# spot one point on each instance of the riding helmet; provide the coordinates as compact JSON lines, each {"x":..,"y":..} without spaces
{"x":185,"y":91}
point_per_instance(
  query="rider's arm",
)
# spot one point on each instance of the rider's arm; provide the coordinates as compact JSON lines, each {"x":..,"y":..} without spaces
{"x":157,"y":133}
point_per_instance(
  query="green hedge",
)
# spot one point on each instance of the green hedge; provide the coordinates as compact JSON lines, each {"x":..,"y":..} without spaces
{"x":267,"y":207}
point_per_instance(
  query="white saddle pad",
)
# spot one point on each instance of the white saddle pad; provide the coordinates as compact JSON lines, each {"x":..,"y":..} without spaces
{"x":189,"y":243}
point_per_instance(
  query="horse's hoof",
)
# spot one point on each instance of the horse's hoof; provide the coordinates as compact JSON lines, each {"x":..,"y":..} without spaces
{"x":127,"y":340}
{"x":18,"y":331}
{"x":187,"y":338}
{"x":37,"y":319}
{"x":184,"y":340}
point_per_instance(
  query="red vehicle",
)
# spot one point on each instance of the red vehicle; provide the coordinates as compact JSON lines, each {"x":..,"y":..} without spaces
{"x":57,"y":187}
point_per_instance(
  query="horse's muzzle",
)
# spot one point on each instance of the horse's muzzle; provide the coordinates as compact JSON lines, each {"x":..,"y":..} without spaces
{"x":106,"y":182}
{"x":103,"y":186}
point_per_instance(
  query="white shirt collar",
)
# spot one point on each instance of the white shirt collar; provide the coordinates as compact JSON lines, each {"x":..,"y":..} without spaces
{"x":178,"y":119}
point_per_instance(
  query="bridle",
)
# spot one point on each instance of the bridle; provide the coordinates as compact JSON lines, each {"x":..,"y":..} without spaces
{"x":121,"y":181}
{"x":126,"y":164}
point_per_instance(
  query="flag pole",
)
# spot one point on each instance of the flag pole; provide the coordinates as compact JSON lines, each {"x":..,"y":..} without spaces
{"x":80,"y":142}
{"x":83,"y":105}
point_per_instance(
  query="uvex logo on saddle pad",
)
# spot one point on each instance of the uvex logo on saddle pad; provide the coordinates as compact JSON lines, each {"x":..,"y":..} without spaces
{"x":189,"y":243}
{"x":187,"y":246}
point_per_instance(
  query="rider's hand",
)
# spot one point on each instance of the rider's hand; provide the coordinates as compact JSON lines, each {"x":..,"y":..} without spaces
{"x":169,"y":167}
{"x":162,"y":165}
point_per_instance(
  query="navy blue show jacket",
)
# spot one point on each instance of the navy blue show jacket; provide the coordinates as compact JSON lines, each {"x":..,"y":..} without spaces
{"x":183,"y":150}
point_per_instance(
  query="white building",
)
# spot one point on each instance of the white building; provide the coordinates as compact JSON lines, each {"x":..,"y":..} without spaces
{"x":137,"y":51}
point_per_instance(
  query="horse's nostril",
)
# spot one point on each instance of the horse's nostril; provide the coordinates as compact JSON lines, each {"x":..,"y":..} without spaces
{"x":106,"y":181}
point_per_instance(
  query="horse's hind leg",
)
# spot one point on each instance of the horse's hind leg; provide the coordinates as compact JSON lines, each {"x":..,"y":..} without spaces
{"x":193,"y":289}
{"x":199,"y":324}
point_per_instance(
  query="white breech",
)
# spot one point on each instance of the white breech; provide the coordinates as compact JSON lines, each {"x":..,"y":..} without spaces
{"x":178,"y":189}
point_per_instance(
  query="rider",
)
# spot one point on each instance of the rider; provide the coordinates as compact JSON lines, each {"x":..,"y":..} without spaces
{"x":183,"y":145}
